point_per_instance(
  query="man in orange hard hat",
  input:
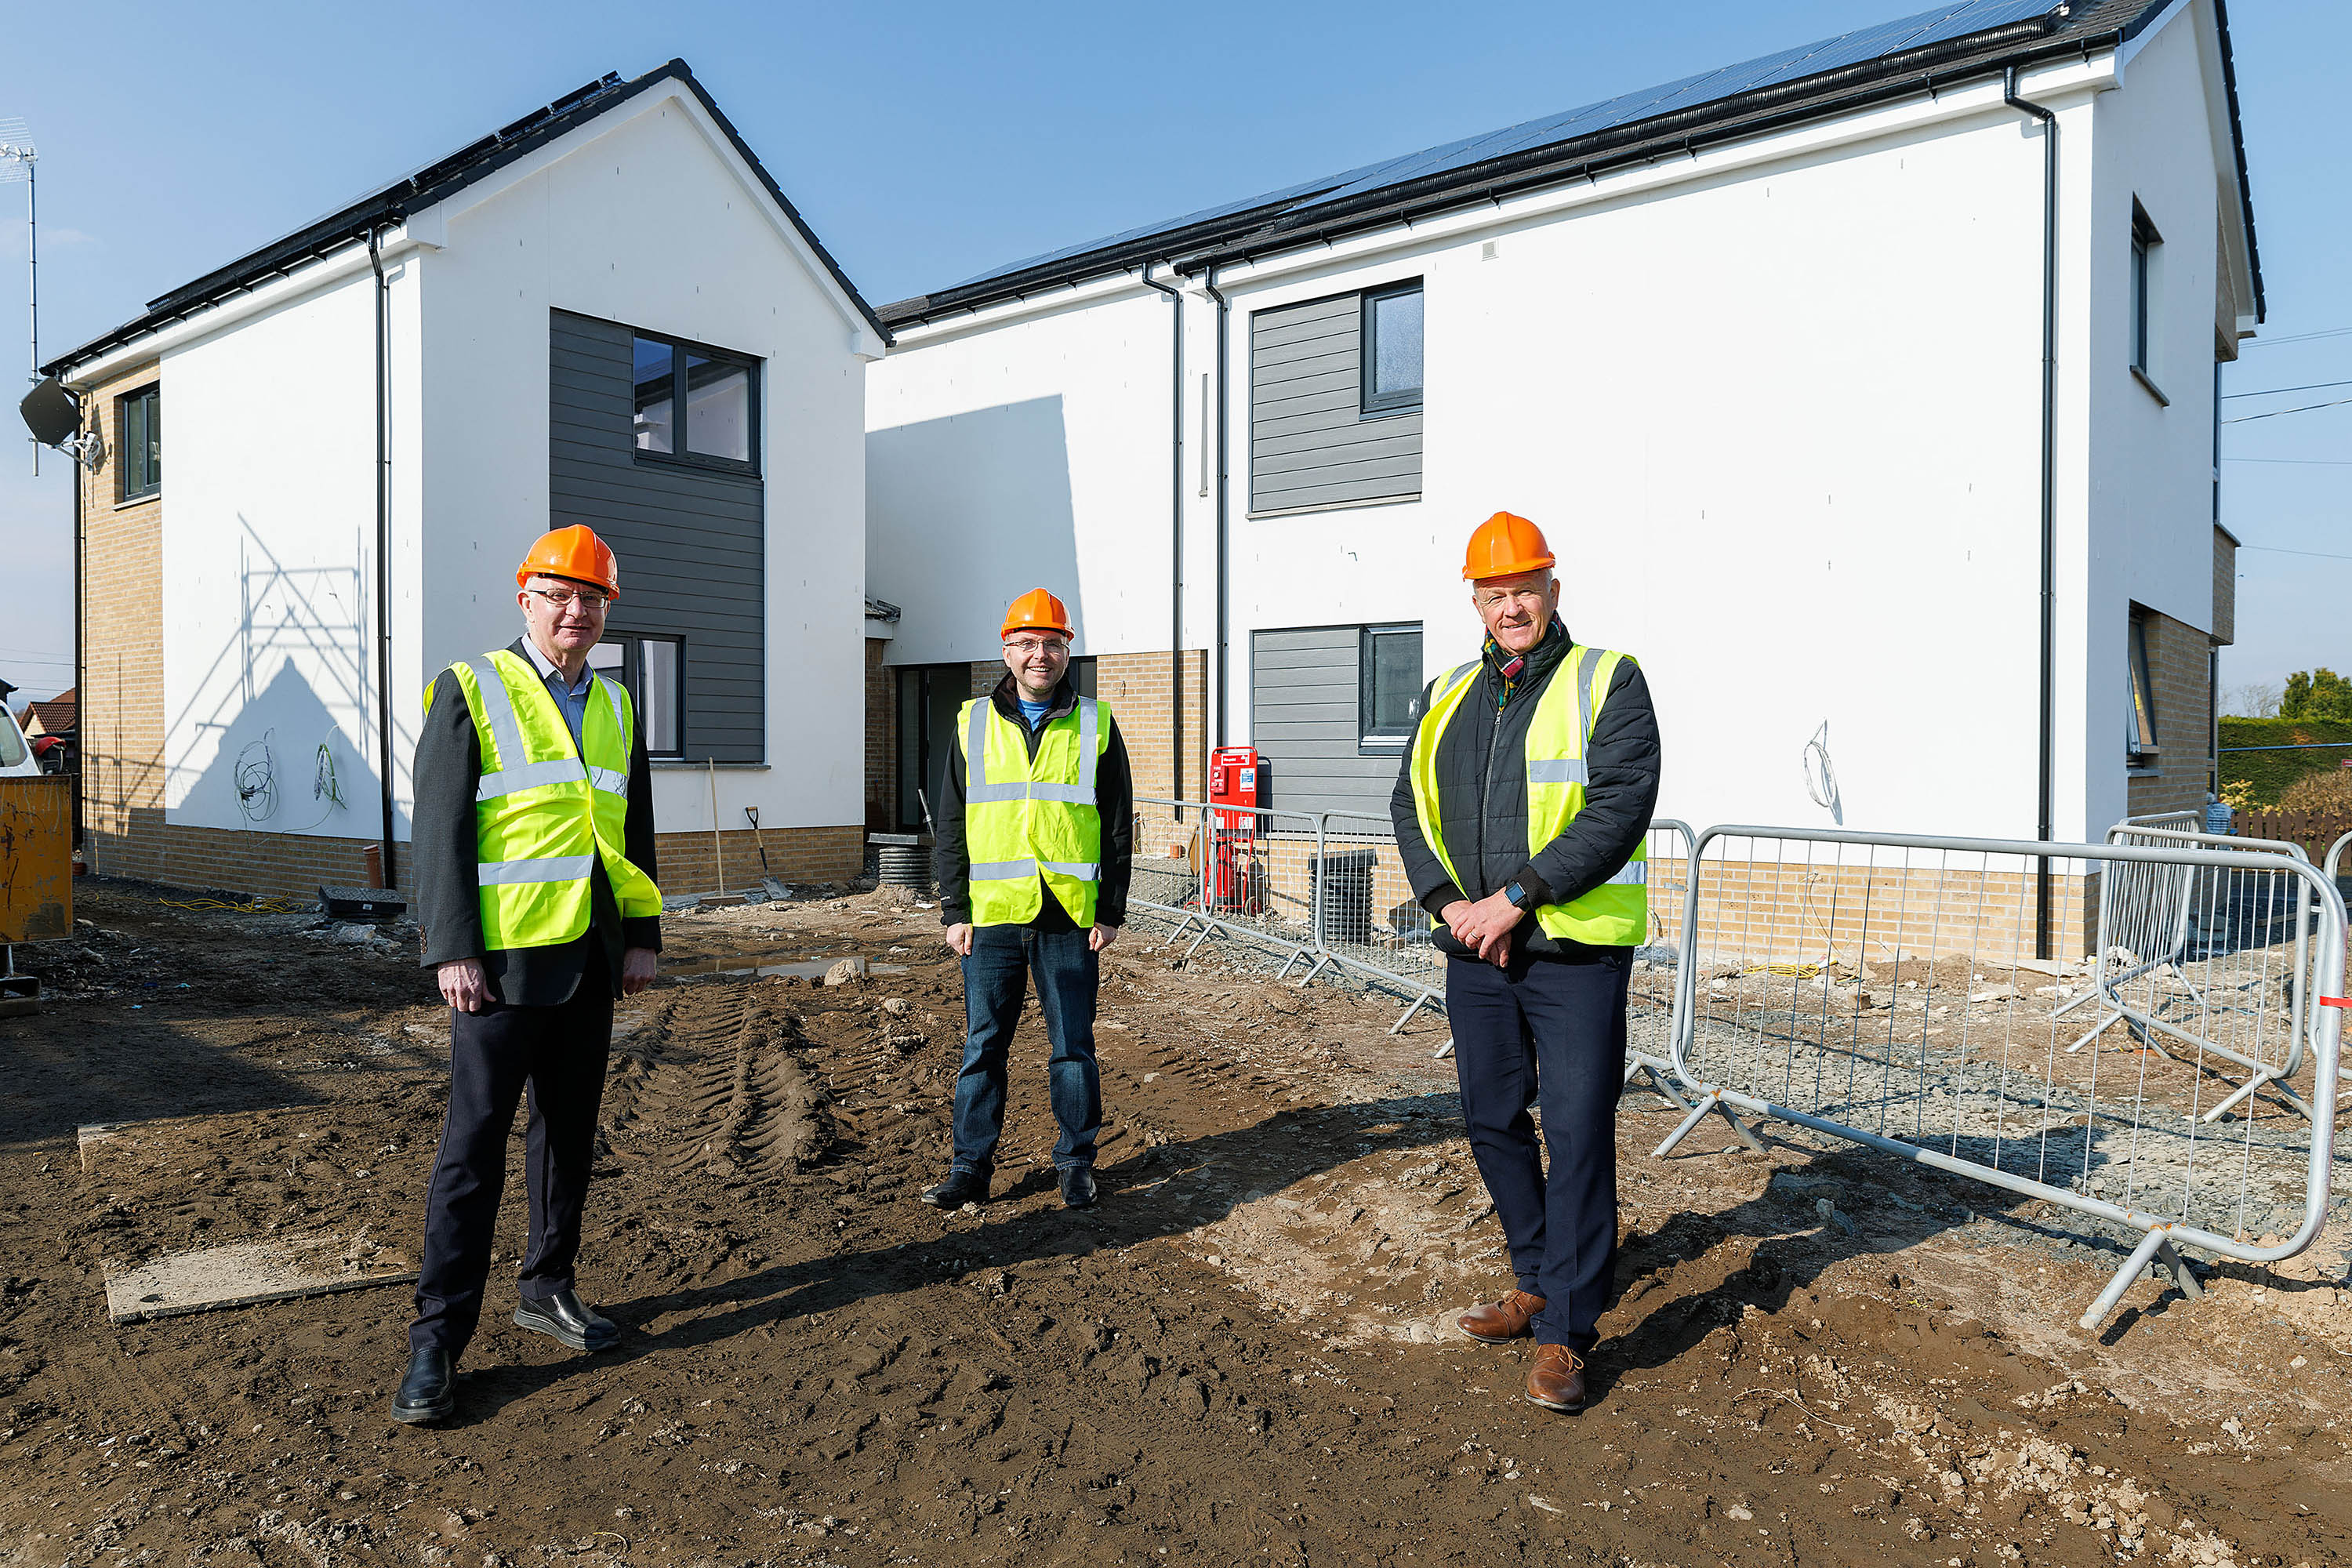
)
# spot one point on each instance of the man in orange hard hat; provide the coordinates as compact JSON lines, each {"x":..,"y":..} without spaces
{"x":1035,"y":844}
{"x":1522,"y":813}
{"x":534,"y":857}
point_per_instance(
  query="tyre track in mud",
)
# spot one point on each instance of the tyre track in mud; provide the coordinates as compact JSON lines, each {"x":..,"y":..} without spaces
{"x":817,"y":1369}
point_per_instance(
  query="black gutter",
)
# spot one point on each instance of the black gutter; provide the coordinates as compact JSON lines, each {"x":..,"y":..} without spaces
{"x":1175,"y":540}
{"x":1761,"y":109}
{"x":2238,"y":141}
{"x":1224,"y":490}
{"x":390,"y":861}
{"x":2046,"y":779}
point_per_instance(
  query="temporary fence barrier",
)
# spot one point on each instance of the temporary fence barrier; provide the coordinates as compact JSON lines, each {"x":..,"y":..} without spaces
{"x":2154,"y":920}
{"x":1327,"y":889}
{"x":1882,"y":989}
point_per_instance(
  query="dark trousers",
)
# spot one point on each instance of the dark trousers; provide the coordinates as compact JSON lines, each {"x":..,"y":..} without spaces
{"x":558,"y":1052}
{"x":1550,"y":1034}
{"x":1068,"y":972}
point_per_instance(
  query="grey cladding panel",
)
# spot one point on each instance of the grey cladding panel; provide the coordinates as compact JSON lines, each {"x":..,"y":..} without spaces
{"x":692,"y":542}
{"x":1304,"y":717}
{"x":1310,"y":445}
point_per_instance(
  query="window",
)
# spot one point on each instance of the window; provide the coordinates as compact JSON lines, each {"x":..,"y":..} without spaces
{"x":693,"y":404}
{"x":652,"y":669}
{"x":1391,"y":354}
{"x":2140,"y":749}
{"x":140,"y":448}
{"x":2144,"y":244}
{"x":1388,"y":686}
{"x":1082,"y":676}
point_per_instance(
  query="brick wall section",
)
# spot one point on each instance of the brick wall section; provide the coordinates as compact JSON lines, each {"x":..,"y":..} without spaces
{"x":690,"y":863}
{"x":121,"y":717}
{"x":881,"y":738}
{"x":1137,"y":687}
{"x":2179,"y":672}
{"x":2225,"y":589}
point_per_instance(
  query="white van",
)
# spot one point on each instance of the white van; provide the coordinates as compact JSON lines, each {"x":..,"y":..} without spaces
{"x":16,"y":759}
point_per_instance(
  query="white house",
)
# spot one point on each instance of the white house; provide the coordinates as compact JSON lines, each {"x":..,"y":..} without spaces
{"x":606,"y":312}
{"x":1762,"y":350}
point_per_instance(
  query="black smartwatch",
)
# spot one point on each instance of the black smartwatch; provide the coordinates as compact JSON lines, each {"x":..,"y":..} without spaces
{"x":1517,"y":896}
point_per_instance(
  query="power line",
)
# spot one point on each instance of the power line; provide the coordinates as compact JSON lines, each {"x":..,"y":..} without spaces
{"x":2274,"y":392}
{"x":2282,"y":550}
{"x":2274,"y":413}
{"x":2308,"y":462}
{"x":2297,"y":338}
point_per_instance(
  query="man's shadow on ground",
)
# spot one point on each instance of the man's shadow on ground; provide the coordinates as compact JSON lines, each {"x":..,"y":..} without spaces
{"x":1176,"y":1187}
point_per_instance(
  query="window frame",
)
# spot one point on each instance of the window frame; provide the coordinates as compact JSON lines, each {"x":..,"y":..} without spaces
{"x":1372,"y":404}
{"x":632,"y":677}
{"x":148,"y":450}
{"x":2143,"y":749}
{"x":2145,"y":243}
{"x":680,"y":351}
{"x":1370,"y":740}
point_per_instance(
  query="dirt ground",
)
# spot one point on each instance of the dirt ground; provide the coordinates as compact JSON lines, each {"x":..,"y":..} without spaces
{"x":1245,"y":1355}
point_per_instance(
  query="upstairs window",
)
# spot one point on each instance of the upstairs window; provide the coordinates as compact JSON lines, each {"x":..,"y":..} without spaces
{"x":1392,"y":352}
{"x":2145,"y":266}
{"x":693,"y":404}
{"x":139,"y":470}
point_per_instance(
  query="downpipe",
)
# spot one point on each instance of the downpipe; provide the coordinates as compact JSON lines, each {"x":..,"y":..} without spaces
{"x":2045,"y":806}
{"x":1224,"y":491}
{"x":1175,"y":538}
{"x":383,"y":554}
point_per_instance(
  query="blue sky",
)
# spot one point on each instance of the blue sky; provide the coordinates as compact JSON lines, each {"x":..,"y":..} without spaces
{"x":927,"y":142}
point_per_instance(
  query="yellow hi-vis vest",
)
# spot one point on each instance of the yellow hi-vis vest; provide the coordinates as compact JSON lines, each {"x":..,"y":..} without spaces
{"x":1616,"y":913}
{"x":1025,"y":819}
{"x":544,"y":811}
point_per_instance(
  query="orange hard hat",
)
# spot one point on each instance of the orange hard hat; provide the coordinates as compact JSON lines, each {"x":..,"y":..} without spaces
{"x":1504,"y":545}
{"x":575,"y":553}
{"x":1036,"y":611}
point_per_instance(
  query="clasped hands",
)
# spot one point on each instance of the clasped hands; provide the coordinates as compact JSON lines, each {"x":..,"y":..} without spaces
{"x":464,"y":986}
{"x":1485,"y":927}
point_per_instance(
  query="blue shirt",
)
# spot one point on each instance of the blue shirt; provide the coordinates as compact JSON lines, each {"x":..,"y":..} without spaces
{"x":1034,"y":713}
{"x":571,"y":699}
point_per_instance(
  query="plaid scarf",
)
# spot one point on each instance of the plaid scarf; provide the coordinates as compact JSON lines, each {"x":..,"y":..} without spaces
{"x":1514,"y":667}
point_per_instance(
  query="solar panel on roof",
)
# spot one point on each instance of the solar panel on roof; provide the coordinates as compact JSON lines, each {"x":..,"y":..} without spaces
{"x":1954,"y":19}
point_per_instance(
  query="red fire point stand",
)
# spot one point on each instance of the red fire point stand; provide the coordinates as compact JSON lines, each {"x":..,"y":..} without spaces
{"x":1234,"y":774}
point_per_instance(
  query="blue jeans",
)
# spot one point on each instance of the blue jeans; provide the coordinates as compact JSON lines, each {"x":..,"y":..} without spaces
{"x":1550,"y":1034}
{"x":1004,"y":958}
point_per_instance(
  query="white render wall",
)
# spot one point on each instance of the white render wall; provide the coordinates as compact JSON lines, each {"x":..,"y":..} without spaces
{"x":2149,"y":501}
{"x":269,"y":553}
{"x":645,"y":217}
{"x":1777,"y":409}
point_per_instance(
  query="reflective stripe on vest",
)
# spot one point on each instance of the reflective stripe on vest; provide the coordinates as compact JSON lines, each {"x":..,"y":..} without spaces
{"x":1030,"y":824}
{"x":545,"y":814}
{"x":1615,"y":913}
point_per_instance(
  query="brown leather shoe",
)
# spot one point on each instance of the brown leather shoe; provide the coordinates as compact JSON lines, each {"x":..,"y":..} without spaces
{"x":1506,"y":1319}
{"x":1556,"y":1382}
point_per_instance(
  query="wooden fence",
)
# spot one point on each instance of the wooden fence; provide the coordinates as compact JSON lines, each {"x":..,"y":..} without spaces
{"x":2315,"y":830}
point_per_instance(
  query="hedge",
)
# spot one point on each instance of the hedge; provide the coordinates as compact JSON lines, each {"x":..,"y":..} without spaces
{"x":2269,"y":773}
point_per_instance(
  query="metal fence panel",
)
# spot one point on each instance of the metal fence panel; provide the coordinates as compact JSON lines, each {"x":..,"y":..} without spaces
{"x":1883,"y":989}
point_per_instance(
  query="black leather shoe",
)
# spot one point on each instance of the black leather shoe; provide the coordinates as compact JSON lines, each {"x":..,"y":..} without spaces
{"x":428,"y":1392}
{"x":961,"y":1187}
{"x":1077,"y":1186}
{"x":566,"y":1317}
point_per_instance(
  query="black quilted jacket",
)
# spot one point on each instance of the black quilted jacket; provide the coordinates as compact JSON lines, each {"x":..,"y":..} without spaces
{"x":1482,"y":783}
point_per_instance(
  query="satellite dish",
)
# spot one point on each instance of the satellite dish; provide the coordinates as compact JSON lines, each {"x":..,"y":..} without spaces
{"x":50,"y":413}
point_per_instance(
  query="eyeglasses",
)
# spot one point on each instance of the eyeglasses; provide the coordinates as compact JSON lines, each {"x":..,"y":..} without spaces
{"x":564,"y":598}
{"x":1025,"y":647}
